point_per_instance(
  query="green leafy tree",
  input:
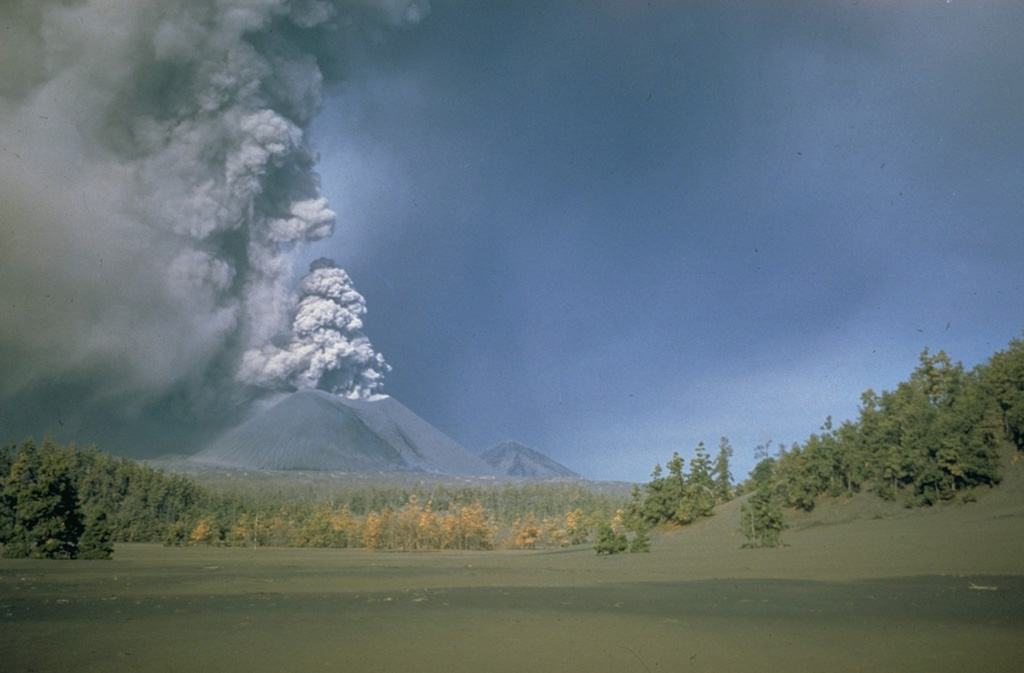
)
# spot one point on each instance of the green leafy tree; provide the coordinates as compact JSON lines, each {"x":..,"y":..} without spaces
{"x":1002,"y":383}
{"x":800,"y":473}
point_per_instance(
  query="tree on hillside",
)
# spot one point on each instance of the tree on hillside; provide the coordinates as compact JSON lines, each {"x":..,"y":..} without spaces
{"x":641,"y":543}
{"x":700,"y":487}
{"x":1002,"y":382}
{"x":720,"y":472}
{"x":662,"y":494}
{"x":761,"y":520}
{"x":928,"y":433}
{"x":665,"y":494}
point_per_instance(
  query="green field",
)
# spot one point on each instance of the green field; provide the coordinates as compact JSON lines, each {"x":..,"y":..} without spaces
{"x":862,"y":586}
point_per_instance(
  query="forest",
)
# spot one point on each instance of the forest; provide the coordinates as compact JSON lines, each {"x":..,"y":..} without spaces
{"x":64,"y":502}
{"x":938,"y":437}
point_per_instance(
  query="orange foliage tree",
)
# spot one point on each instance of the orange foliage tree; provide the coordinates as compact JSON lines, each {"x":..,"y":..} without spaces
{"x":526,"y":532}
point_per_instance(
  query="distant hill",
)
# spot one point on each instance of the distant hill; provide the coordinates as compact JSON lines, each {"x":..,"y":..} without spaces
{"x":513,"y":459}
{"x":315,"y":430}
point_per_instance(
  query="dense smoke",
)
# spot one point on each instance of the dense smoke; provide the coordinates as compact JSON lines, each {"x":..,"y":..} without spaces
{"x":328,"y":349}
{"x":157,"y":184}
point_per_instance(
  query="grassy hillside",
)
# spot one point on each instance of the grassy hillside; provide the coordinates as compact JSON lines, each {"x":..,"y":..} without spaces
{"x":863,"y":536}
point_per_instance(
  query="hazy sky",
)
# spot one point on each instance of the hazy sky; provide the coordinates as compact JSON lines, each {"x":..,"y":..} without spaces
{"x":611,"y":230}
{"x":606,"y":229}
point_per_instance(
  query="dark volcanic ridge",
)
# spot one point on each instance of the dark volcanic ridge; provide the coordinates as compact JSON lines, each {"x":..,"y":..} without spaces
{"x":513,"y":459}
{"x":317,"y":431}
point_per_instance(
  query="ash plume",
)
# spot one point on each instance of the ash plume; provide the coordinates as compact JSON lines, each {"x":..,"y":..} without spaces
{"x":328,"y":349}
{"x":157,"y":183}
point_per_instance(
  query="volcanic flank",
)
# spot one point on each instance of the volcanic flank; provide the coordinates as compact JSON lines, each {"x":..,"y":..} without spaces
{"x":316,"y":430}
{"x":516,"y":460}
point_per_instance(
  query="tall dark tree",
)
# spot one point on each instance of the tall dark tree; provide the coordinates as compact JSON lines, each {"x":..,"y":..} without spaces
{"x":7,"y":457}
{"x":46,"y":522}
{"x":97,"y":538}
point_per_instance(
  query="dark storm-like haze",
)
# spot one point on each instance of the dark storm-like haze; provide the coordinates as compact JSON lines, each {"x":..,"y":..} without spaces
{"x":613,"y":230}
{"x":608,"y":230}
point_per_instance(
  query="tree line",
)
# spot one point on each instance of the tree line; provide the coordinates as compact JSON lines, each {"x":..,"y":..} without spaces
{"x":680,"y":496}
{"x":939,"y":436}
{"x":63,"y":502}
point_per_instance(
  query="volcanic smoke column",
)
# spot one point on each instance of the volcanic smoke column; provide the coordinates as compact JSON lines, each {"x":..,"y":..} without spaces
{"x":158,"y":181}
{"x":328,"y":349}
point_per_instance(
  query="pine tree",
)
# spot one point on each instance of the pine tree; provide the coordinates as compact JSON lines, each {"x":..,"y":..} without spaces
{"x":95,"y":542}
{"x":46,"y":521}
{"x":761,"y":520}
{"x":641,"y":543}
{"x":699,"y":494}
{"x":720,"y":472}
{"x":660,"y":501}
{"x":608,"y":541}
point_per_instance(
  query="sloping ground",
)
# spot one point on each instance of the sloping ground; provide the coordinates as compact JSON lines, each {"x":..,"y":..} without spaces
{"x":516,"y":460}
{"x":314,"y":430}
{"x":420,"y":444}
{"x":304,"y":432}
{"x":863,"y":536}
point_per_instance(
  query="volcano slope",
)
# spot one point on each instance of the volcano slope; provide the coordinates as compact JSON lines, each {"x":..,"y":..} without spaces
{"x":862,"y":586}
{"x":513,"y":459}
{"x":314,"y":430}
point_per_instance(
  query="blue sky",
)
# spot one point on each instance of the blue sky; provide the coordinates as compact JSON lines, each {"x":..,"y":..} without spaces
{"x":612,"y":230}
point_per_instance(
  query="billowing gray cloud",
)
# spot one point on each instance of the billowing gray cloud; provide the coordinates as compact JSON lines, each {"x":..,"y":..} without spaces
{"x":328,"y":349}
{"x":157,"y":184}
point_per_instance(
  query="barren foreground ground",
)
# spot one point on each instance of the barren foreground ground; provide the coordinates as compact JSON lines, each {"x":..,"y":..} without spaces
{"x":862,"y":587}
